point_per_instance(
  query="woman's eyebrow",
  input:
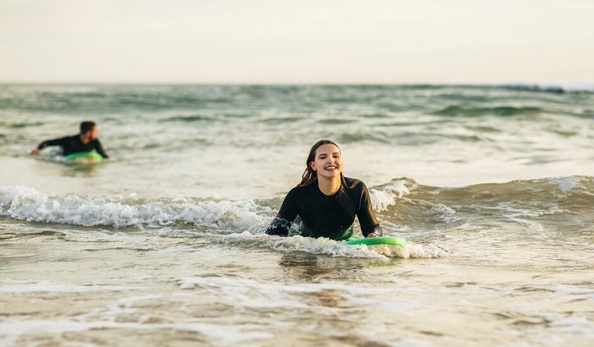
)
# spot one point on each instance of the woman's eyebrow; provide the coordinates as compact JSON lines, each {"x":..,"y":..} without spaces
{"x":333,"y":153}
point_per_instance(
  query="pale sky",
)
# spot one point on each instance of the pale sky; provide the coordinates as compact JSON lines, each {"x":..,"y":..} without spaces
{"x":301,"y":41}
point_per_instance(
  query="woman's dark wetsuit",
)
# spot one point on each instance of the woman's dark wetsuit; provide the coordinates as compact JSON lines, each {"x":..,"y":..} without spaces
{"x":73,"y":144}
{"x":330,"y":216}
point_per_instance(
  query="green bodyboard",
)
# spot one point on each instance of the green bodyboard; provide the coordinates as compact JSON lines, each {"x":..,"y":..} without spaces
{"x":383,"y":240}
{"x":87,"y":155}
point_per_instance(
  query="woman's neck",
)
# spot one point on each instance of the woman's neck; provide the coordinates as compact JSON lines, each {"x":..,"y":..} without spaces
{"x":329,"y":186}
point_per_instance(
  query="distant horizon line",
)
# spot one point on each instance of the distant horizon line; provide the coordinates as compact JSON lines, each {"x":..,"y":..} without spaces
{"x":458,"y":83}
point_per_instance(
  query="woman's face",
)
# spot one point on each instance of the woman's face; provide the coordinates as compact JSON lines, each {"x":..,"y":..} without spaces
{"x":327,"y":161}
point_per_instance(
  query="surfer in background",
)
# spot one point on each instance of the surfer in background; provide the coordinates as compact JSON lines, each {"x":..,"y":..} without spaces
{"x":325,"y":203}
{"x":86,"y":141}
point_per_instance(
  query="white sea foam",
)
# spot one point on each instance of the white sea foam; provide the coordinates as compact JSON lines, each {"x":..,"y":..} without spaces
{"x":335,"y":248}
{"x":386,"y":196}
{"x":566,"y":184}
{"x":302,"y":244}
{"x":28,"y":204}
{"x":444,"y":213}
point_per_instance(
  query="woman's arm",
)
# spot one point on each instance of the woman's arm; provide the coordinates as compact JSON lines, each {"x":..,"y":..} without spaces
{"x":281,"y":224}
{"x":369,"y":224}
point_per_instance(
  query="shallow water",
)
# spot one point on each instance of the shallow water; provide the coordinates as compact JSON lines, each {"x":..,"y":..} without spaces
{"x":163,"y":244}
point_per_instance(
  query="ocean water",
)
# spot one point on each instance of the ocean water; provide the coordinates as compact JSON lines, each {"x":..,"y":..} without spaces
{"x":163,"y":244}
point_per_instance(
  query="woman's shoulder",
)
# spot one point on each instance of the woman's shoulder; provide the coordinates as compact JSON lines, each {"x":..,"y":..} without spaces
{"x":300,"y":189}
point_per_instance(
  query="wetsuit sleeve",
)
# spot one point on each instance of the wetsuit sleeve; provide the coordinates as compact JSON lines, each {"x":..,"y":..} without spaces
{"x":366,"y":215}
{"x":100,"y":149}
{"x":55,"y":142}
{"x":281,"y":224}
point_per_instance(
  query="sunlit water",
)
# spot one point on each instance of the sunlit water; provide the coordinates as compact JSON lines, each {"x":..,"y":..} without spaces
{"x":163,"y":244}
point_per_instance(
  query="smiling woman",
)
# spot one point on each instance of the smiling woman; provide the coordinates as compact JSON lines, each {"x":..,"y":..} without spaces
{"x":325,"y":203}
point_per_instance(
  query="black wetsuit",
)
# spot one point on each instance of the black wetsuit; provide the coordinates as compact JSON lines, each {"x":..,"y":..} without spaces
{"x":73,"y":144}
{"x":330,"y":216}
